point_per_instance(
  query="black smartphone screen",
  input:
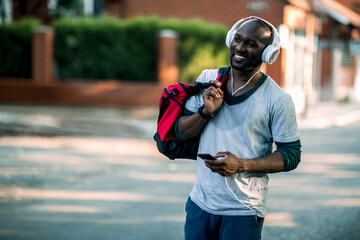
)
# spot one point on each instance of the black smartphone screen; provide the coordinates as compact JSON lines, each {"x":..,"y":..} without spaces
{"x":206,"y":156}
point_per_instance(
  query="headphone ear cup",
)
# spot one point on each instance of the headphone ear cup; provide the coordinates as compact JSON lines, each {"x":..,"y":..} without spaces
{"x":274,"y":55}
{"x":229,"y":37}
{"x":270,"y":54}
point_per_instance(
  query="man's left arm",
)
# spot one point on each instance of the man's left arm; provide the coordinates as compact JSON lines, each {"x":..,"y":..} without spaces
{"x":228,"y":164}
{"x":285,"y":158}
{"x":291,"y":152}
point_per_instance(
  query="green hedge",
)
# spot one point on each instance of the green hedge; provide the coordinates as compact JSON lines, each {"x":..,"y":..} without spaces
{"x":15,"y":48}
{"x":107,"y":48}
{"x":202,"y":46}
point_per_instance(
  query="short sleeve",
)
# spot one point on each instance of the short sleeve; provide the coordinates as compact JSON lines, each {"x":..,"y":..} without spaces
{"x":283,"y":124}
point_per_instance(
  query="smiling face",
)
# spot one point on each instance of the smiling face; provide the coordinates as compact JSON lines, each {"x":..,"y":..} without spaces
{"x":249,"y":42}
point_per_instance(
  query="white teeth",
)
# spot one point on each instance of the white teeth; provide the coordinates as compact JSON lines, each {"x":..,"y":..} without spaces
{"x":238,"y":57}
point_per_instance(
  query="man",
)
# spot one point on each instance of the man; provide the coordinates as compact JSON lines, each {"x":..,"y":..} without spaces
{"x":238,"y":124}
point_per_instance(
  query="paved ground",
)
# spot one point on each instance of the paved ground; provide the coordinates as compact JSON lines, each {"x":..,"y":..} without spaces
{"x":93,"y":173}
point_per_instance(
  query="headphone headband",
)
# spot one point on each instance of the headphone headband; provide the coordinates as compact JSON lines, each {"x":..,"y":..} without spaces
{"x":271,"y":52}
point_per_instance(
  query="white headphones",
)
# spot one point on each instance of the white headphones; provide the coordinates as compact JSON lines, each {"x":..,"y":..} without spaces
{"x":271,"y":52}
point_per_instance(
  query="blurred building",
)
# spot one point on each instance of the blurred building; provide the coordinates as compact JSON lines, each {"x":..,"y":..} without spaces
{"x":320,"y":58}
{"x":319,"y":39}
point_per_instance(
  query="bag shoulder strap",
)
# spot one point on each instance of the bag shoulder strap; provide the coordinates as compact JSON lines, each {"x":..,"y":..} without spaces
{"x":222,"y":77}
{"x":224,"y":69}
{"x":223,"y":74}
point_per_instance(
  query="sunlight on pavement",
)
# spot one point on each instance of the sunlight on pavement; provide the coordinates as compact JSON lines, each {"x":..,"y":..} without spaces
{"x":66,"y":208}
{"x":127,"y":221}
{"x":34,"y":142}
{"x":325,"y":122}
{"x":20,"y":193}
{"x":32,"y":120}
{"x":348,"y":202}
{"x":335,"y":191}
{"x":279,"y":219}
{"x":65,"y":159}
{"x":15,"y":171}
{"x":133,"y":161}
{"x":165,"y":177}
{"x":328,"y":164}
{"x":331,"y":158}
{"x":129,"y":147}
{"x":59,"y":159}
{"x":86,"y":152}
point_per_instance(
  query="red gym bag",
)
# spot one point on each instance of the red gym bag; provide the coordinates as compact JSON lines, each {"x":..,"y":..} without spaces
{"x":171,"y":106}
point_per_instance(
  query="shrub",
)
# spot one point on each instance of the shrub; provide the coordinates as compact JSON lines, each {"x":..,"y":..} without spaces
{"x":108,"y":48}
{"x":205,"y":57}
{"x":15,"y":48}
{"x":202,"y":46}
{"x":105,"y":48}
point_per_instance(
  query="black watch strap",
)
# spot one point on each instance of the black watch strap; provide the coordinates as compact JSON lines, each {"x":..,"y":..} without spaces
{"x":203,"y":115}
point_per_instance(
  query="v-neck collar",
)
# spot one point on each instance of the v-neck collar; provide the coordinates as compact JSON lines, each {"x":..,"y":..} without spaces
{"x":231,"y":100}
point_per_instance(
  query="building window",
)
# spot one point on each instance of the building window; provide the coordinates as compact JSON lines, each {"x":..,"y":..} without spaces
{"x":355,"y":7}
{"x":5,"y":10}
{"x":257,"y":6}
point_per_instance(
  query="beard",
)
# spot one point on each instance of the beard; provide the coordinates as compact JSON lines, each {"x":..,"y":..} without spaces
{"x":245,"y":65}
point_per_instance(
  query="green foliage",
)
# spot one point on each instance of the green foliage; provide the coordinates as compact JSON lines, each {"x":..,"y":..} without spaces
{"x":108,"y":48}
{"x":15,"y":48}
{"x":202,"y":46}
{"x":105,"y":48}
{"x":204,"y":58}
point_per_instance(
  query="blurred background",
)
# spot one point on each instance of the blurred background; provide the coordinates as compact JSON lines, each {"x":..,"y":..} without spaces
{"x":80,"y":81}
{"x":98,"y":43}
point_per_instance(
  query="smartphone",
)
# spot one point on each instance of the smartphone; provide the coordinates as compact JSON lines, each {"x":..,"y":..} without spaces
{"x":206,"y":156}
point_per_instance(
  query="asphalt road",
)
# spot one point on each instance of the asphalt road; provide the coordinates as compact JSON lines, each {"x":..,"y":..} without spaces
{"x":321,"y":198}
{"x":96,"y":186}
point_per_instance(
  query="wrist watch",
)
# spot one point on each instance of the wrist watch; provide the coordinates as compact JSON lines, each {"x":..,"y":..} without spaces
{"x":203,"y":115}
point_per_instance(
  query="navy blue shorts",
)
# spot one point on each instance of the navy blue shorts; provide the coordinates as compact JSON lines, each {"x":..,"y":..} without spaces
{"x":201,"y":225}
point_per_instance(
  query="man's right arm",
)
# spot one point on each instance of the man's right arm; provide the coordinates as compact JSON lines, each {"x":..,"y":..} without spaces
{"x":191,"y":125}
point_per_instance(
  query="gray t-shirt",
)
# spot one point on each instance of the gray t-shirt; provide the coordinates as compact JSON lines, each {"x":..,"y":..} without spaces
{"x":248,"y":130}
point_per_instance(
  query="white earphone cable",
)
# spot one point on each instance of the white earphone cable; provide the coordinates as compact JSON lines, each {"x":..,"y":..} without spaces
{"x":232,"y":81}
{"x":240,"y":201}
